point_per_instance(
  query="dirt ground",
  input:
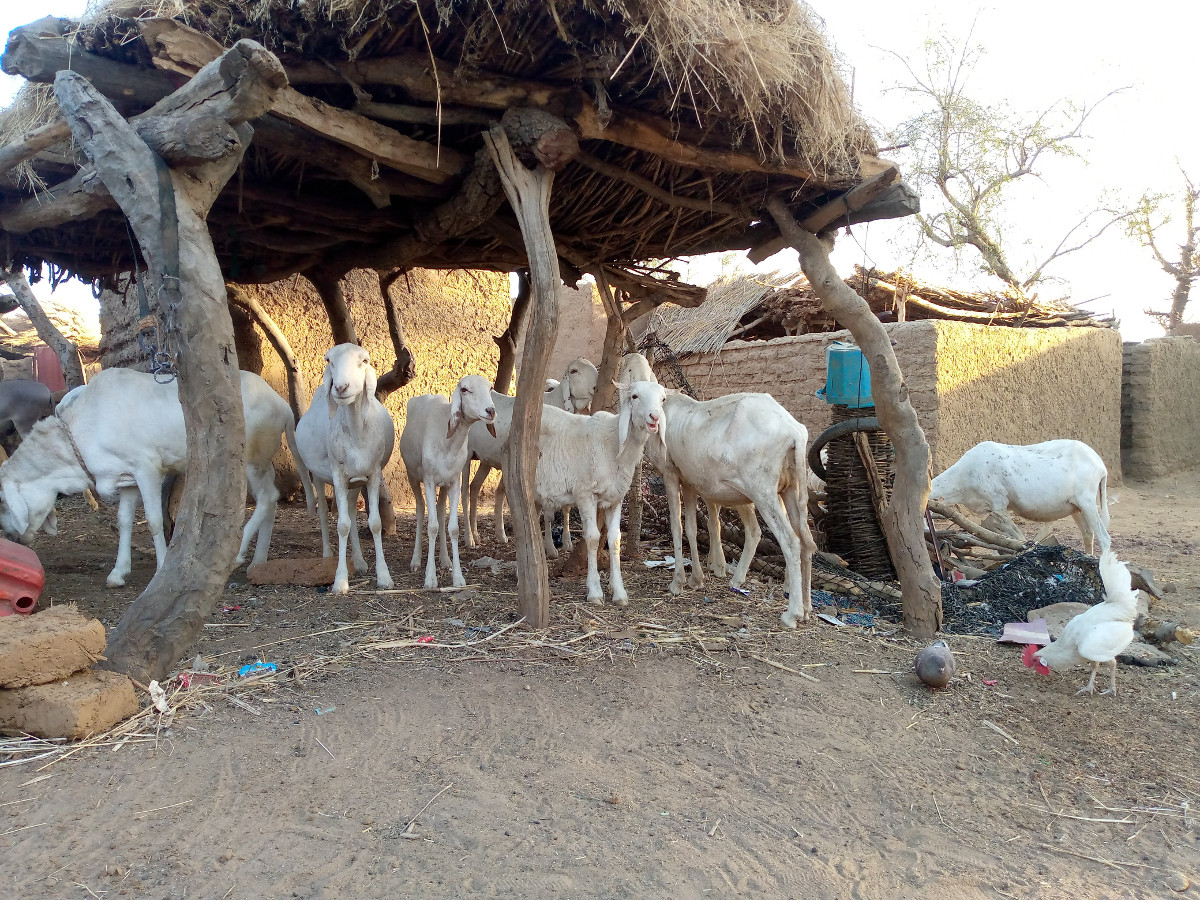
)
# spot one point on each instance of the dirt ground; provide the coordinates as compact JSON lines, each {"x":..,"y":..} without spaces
{"x":650,"y":751}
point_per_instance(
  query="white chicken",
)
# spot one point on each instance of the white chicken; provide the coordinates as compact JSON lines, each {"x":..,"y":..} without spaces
{"x":1097,"y":635}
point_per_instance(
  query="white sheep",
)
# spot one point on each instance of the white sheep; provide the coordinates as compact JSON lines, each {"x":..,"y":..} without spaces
{"x":736,"y":450}
{"x":125,"y":431}
{"x":574,"y":394}
{"x":588,"y":462}
{"x":635,"y":367}
{"x":1039,"y":482}
{"x":434,"y":448}
{"x":346,"y":438}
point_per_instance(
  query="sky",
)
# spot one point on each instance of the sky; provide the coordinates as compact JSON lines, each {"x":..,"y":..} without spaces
{"x":1036,"y":52}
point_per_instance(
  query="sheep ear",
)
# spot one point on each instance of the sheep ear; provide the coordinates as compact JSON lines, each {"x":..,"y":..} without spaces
{"x":327,"y":380}
{"x":621,"y":385}
{"x":624,"y":420}
{"x":370,"y":380}
{"x":456,"y":413}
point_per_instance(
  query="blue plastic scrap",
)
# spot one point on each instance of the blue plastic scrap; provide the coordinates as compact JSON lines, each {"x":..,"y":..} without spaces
{"x":257,"y":668}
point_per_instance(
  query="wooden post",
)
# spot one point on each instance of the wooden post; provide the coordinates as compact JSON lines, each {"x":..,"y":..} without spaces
{"x":529,"y":193}
{"x":328,"y":282}
{"x":166,"y":210}
{"x":507,"y":342}
{"x":298,"y":395}
{"x":902,"y":521}
{"x":65,"y":350}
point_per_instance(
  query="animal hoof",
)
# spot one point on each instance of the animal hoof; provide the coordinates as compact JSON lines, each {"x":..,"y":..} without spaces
{"x":675,"y":588}
{"x":114,"y":581}
{"x":239,"y":559}
{"x":598,"y":599}
{"x":431,"y":584}
{"x":788,"y":619}
{"x":385,"y":584}
{"x":621,"y":601}
{"x":340,"y":587}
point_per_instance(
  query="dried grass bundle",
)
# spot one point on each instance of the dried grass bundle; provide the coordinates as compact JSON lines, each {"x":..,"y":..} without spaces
{"x":32,"y":107}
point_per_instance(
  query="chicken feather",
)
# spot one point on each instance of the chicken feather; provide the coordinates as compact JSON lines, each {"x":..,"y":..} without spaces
{"x":1098,"y":635}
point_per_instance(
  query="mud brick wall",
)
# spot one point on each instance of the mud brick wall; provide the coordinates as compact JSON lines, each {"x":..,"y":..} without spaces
{"x":1160,"y":422}
{"x":968,"y":383}
{"x":449,"y":319}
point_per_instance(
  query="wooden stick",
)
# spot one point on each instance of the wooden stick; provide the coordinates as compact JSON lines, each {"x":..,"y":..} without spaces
{"x":781,"y":666}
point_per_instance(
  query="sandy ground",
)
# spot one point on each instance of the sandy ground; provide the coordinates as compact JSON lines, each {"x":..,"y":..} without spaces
{"x":630,"y":763}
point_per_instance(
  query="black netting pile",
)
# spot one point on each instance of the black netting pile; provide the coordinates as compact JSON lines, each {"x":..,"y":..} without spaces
{"x":1034,"y":579}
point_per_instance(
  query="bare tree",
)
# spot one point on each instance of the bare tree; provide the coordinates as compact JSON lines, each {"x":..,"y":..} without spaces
{"x":973,"y":155}
{"x":1147,"y":223}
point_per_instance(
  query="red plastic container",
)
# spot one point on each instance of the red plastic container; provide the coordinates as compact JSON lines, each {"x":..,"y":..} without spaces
{"x":21,"y":579}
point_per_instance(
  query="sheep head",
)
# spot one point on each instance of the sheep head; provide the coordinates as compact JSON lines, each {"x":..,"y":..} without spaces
{"x":581,"y":378}
{"x":641,"y":408}
{"x":349,"y":379}
{"x":471,"y":402}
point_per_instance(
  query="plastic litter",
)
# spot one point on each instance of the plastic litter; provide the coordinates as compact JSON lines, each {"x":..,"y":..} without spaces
{"x":425,"y":639}
{"x":321,"y":712}
{"x":257,"y":668}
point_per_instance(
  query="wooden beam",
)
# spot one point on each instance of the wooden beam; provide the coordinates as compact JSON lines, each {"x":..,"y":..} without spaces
{"x":424,"y":115}
{"x":837,"y":211}
{"x":648,"y":187}
{"x":298,"y":395}
{"x":33,"y":142}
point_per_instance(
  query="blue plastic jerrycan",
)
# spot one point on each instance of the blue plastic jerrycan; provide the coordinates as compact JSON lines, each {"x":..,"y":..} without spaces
{"x":847,"y":376}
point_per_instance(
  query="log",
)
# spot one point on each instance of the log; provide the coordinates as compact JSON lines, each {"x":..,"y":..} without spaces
{"x":66,"y":351}
{"x":529,"y":193}
{"x":33,"y":142}
{"x":327,"y":280}
{"x":298,"y":395}
{"x":507,"y":342}
{"x":404,"y":369}
{"x":903,"y":522}
{"x":993,"y":538}
{"x":170,"y":613}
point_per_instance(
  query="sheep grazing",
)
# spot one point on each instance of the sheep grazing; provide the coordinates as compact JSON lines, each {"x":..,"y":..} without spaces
{"x":588,"y":462}
{"x":434,"y":448}
{"x":737,"y":450}
{"x":124,"y":431}
{"x":1039,"y":482}
{"x":573,"y":394}
{"x":346,"y":438}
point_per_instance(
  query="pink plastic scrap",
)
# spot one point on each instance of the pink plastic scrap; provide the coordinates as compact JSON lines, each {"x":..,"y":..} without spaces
{"x":1025,"y":633}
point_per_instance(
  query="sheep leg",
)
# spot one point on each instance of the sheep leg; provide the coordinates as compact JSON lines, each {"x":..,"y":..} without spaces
{"x":671,"y":483}
{"x":799,"y":602}
{"x":431,"y":534}
{"x":716,"y":552}
{"x":567,"y":544}
{"x":474,"y":489}
{"x":342,"y":497}
{"x":323,"y":516}
{"x":443,"y":554}
{"x":796,"y":505}
{"x":383,"y":578}
{"x":498,"y":512}
{"x":150,"y":488}
{"x":696,"y":576}
{"x":615,"y":583}
{"x":125,"y":509}
{"x":465,"y":494}
{"x":360,"y":562}
{"x":456,"y":577}
{"x":262,"y":521}
{"x":418,"y":493}
{"x":1112,"y":680}
{"x":1090,"y":687}
{"x":591,"y":537}
{"x":548,"y":532}
{"x":1091,"y":527}
{"x":753,"y":535}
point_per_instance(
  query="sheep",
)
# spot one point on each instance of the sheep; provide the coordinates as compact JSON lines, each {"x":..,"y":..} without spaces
{"x":573,"y":394}
{"x":124,"y":431}
{"x":588,"y":462}
{"x":346,"y":437}
{"x":24,"y":402}
{"x":635,"y":367}
{"x":436,"y":460}
{"x":1039,"y":482}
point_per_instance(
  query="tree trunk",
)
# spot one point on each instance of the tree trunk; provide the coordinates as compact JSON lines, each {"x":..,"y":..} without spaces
{"x":298,"y":395}
{"x":507,"y":342}
{"x":328,"y":282}
{"x":529,"y":193}
{"x":1183,"y":286}
{"x":903,"y":519}
{"x":166,"y":211}
{"x":404,"y":369}
{"x":65,"y":350}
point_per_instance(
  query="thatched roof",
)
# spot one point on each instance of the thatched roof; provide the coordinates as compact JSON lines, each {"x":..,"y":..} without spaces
{"x":756,"y":307}
{"x":18,"y":337}
{"x":689,"y":112}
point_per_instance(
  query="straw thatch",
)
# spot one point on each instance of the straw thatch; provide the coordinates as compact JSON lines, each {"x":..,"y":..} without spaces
{"x":757,"y":307}
{"x":690,"y":113}
{"x":708,"y":326}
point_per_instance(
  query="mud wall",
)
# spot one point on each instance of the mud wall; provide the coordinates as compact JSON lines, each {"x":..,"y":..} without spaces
{"x":581,"y":325}
{"x":1160,"y":426}
{"x":968,"y":383}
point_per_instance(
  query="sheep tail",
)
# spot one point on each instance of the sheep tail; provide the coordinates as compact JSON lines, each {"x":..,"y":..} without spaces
{"x":1104,"y":500}
{"x":310,"y":497}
